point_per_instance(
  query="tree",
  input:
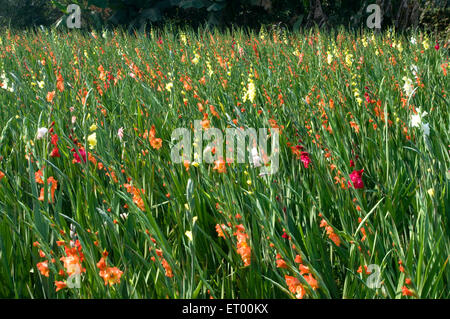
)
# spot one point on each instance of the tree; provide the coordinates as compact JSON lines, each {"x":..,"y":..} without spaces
{"x":316,"y":16}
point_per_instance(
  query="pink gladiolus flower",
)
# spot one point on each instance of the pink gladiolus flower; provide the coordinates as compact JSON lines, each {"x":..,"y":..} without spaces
{"x":304,"y":157}
{"x":120,"y":133}
{"x":76,"y":157}
{"x":356,"y":177}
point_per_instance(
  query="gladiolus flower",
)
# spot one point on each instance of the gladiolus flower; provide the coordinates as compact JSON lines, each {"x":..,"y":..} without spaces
{"x":311,"y":281}
{"x":295,"y":286}
{"x":303,"y":269}
{"x":73,"y":259}
{"x":304,"y":157}
{"x":407,"y":292}
{"x":60,"y":285}
{"x":167,"y":268}
{"x":120,"y":133}
{"x":50,"y":96}
{"x":280,"y":262}
{"x":41,"y":132}
{"x":76,"y":157}
{"x":356,"y":177}
{"x":220,"y":166}
{"x":55,"y":152}
{"x":111,"y":275}
{"x":335,"y":238}
{"x":43,"y":268}
{"x":156,"y":143}
{"x":92,"y":140}
{"x":53,"y":183}
{"x":220,"y":229}
{"x":243,"y":248}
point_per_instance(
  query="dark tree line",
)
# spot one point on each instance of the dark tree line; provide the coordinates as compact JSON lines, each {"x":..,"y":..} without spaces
{"x":294,"y":14}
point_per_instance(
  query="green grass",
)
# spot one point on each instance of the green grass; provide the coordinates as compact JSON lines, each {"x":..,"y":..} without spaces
{"x":403,"y":208}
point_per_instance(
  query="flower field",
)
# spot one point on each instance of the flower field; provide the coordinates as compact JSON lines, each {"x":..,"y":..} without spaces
{"x":92,"y":204}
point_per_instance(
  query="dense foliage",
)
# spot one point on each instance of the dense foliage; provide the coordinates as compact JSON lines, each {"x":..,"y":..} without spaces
{"x":402,"y":14}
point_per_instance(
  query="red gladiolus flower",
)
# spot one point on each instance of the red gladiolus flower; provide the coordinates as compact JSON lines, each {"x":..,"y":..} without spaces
{"x":437,"y":46}
{"x":55,"y":152}
{"x":356,"y":177}
{"x":352,"y":164}
{"x":54,"y":140}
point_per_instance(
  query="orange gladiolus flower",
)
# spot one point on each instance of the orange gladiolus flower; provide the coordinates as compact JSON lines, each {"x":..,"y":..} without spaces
{"x":205,"y":123}
{"x":111,"y":275}
{"x":167,"y":268}
{"x":74,"y":258}
{"x":43,"y":268}
{"x":335,"y":238}
{"x":295,"y":286}
{"x":220,"y":229}
{"x":311,"y":281}
{"x":50,"y":96}
{"x":280,"y":262}
{"x":38,"y":177}
{"x":101,"y":264}
{"x":60,"y":285}
{"x":137,"y":199}
{"x":186,"y":164}
{"x":243,"y":248}
{"x":156,"y":143}
{"x":407,"y":292}
{"x":220,"y":166}
{"x":53,"y":183}
{"x":354,"y":126}
{"x":60,"y":83}
{"x":303,"y":269}
{"x":298,"y":259}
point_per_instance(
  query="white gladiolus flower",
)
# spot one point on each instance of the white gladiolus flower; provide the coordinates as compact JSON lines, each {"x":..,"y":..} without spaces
{"x":255,"y":158}
{"x":41,"y":132}
{"x":4,"y":80}
{"x":416,"y":119}
{"x":407,"y":86}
